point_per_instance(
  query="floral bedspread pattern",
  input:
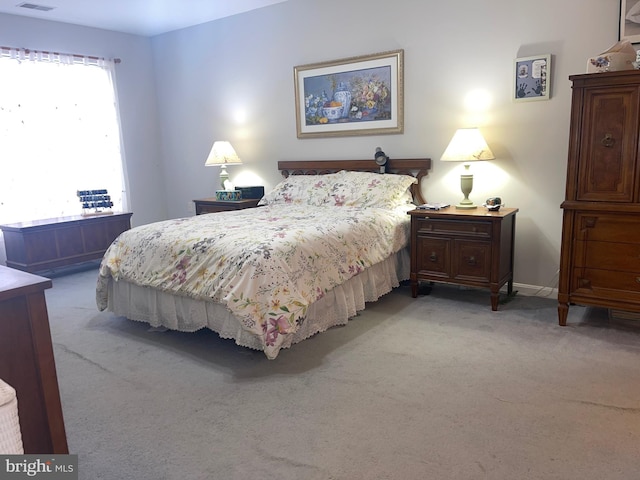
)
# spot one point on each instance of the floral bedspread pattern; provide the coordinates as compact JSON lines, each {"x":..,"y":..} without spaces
{"x":266,"y":264}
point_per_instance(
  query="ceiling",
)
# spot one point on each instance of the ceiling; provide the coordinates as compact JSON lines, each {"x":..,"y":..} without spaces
{"x":139,"y":17}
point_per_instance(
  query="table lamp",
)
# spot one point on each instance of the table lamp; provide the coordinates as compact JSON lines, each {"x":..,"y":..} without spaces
{"x":223,"y":154}
{"x":467,"y":145}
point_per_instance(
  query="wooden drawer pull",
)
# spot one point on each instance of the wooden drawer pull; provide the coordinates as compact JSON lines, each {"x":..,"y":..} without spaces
{"x":433,"y":257}
{"x":471,"y":261}
{"x":608,"y":140}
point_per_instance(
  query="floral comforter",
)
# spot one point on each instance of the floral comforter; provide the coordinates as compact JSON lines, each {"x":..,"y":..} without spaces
{"x":266,"y":264}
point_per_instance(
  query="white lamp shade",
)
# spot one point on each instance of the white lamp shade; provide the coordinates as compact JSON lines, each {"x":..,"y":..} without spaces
{"x":222,"y":153}
{"x":467,"y":145}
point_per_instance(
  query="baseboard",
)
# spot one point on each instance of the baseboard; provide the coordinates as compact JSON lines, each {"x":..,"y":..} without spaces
{"x":522,"y":289}
{"x":535,"y":290}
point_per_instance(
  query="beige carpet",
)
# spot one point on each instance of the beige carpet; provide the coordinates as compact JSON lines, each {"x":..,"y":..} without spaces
{"x":437,"y":387}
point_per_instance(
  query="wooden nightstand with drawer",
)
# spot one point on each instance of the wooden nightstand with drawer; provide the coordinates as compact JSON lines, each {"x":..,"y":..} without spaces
{"x":211,"y":205}
{"x":463,"y":247}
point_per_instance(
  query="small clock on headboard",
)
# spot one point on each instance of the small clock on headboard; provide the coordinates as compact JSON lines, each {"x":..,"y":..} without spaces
{"x":381,"y":159}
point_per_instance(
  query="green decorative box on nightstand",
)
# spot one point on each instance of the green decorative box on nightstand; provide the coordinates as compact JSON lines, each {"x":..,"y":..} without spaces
{"x":228,"y":195}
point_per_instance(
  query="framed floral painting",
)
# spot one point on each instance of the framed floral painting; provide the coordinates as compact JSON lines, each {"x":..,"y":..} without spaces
{"x":352,"y":96}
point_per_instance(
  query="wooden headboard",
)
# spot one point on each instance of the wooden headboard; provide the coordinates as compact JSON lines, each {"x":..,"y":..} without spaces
{"x":416,"y":167}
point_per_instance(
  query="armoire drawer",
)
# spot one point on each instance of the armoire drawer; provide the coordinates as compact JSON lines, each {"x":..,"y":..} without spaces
{"x":607,"y":227}
{"x":623,"y":257}
{"x":606,"y":284}
{"x":454,"y":228}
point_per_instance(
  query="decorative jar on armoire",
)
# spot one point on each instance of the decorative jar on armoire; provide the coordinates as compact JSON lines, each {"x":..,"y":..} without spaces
{"x":600,"y":252}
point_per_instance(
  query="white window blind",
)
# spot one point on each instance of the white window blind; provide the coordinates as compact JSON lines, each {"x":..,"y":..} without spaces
{"x":59,"y":133}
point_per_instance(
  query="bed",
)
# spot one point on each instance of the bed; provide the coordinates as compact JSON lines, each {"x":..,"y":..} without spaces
{"x":332,"y":236}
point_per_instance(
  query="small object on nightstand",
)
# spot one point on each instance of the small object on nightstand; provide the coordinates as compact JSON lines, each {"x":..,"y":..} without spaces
{"x":493,"y":204}
{"x":251,"y":192}
{"x":228,"y":195}
{"x":432,"y":206}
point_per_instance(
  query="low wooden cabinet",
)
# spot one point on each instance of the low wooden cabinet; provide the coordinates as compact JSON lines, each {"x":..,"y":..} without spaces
{"x":42,"y":245}
{"x":27,"y":362}
{"x":463,"y":247}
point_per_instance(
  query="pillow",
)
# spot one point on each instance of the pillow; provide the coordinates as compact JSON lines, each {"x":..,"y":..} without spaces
{"x":366,"y":189}
{"x":406,"y":198}
{"x":302,"y":189}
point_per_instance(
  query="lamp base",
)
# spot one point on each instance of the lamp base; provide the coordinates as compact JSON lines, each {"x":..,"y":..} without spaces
{"x":224,"y":177}
{"x":460,"y":206}
{"x":466,"y":185}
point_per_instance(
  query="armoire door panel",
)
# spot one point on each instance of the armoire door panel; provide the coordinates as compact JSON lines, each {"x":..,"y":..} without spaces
{"x":609,"y":145}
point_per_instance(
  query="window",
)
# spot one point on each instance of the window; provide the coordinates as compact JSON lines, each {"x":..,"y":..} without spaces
{"x":59,"y":133}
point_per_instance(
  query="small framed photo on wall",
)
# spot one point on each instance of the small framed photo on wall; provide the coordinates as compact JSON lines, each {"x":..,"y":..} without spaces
{"x":532,"y":78}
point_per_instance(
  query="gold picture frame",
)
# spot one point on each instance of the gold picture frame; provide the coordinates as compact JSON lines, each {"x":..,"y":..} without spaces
{"x":352,"y":96}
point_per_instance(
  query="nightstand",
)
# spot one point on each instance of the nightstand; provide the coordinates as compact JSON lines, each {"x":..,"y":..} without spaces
{"x":211,"y":205}
{"x":463,"y":247}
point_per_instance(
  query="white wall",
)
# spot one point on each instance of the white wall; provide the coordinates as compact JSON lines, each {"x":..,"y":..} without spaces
{"x":245,"y":64}
{"x":233,"y":79}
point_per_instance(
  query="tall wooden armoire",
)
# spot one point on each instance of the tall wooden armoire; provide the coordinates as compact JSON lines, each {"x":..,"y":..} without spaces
{"x":600,"y":253}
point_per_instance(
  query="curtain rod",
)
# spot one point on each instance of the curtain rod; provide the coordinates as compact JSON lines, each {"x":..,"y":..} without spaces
{"x":75,"y":55}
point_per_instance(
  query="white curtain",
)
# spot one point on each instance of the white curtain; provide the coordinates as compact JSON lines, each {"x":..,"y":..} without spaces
{"x":59,"y":133}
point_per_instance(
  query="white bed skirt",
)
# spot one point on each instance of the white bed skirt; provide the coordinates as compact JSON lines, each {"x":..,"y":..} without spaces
{"x":160,"y":309}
